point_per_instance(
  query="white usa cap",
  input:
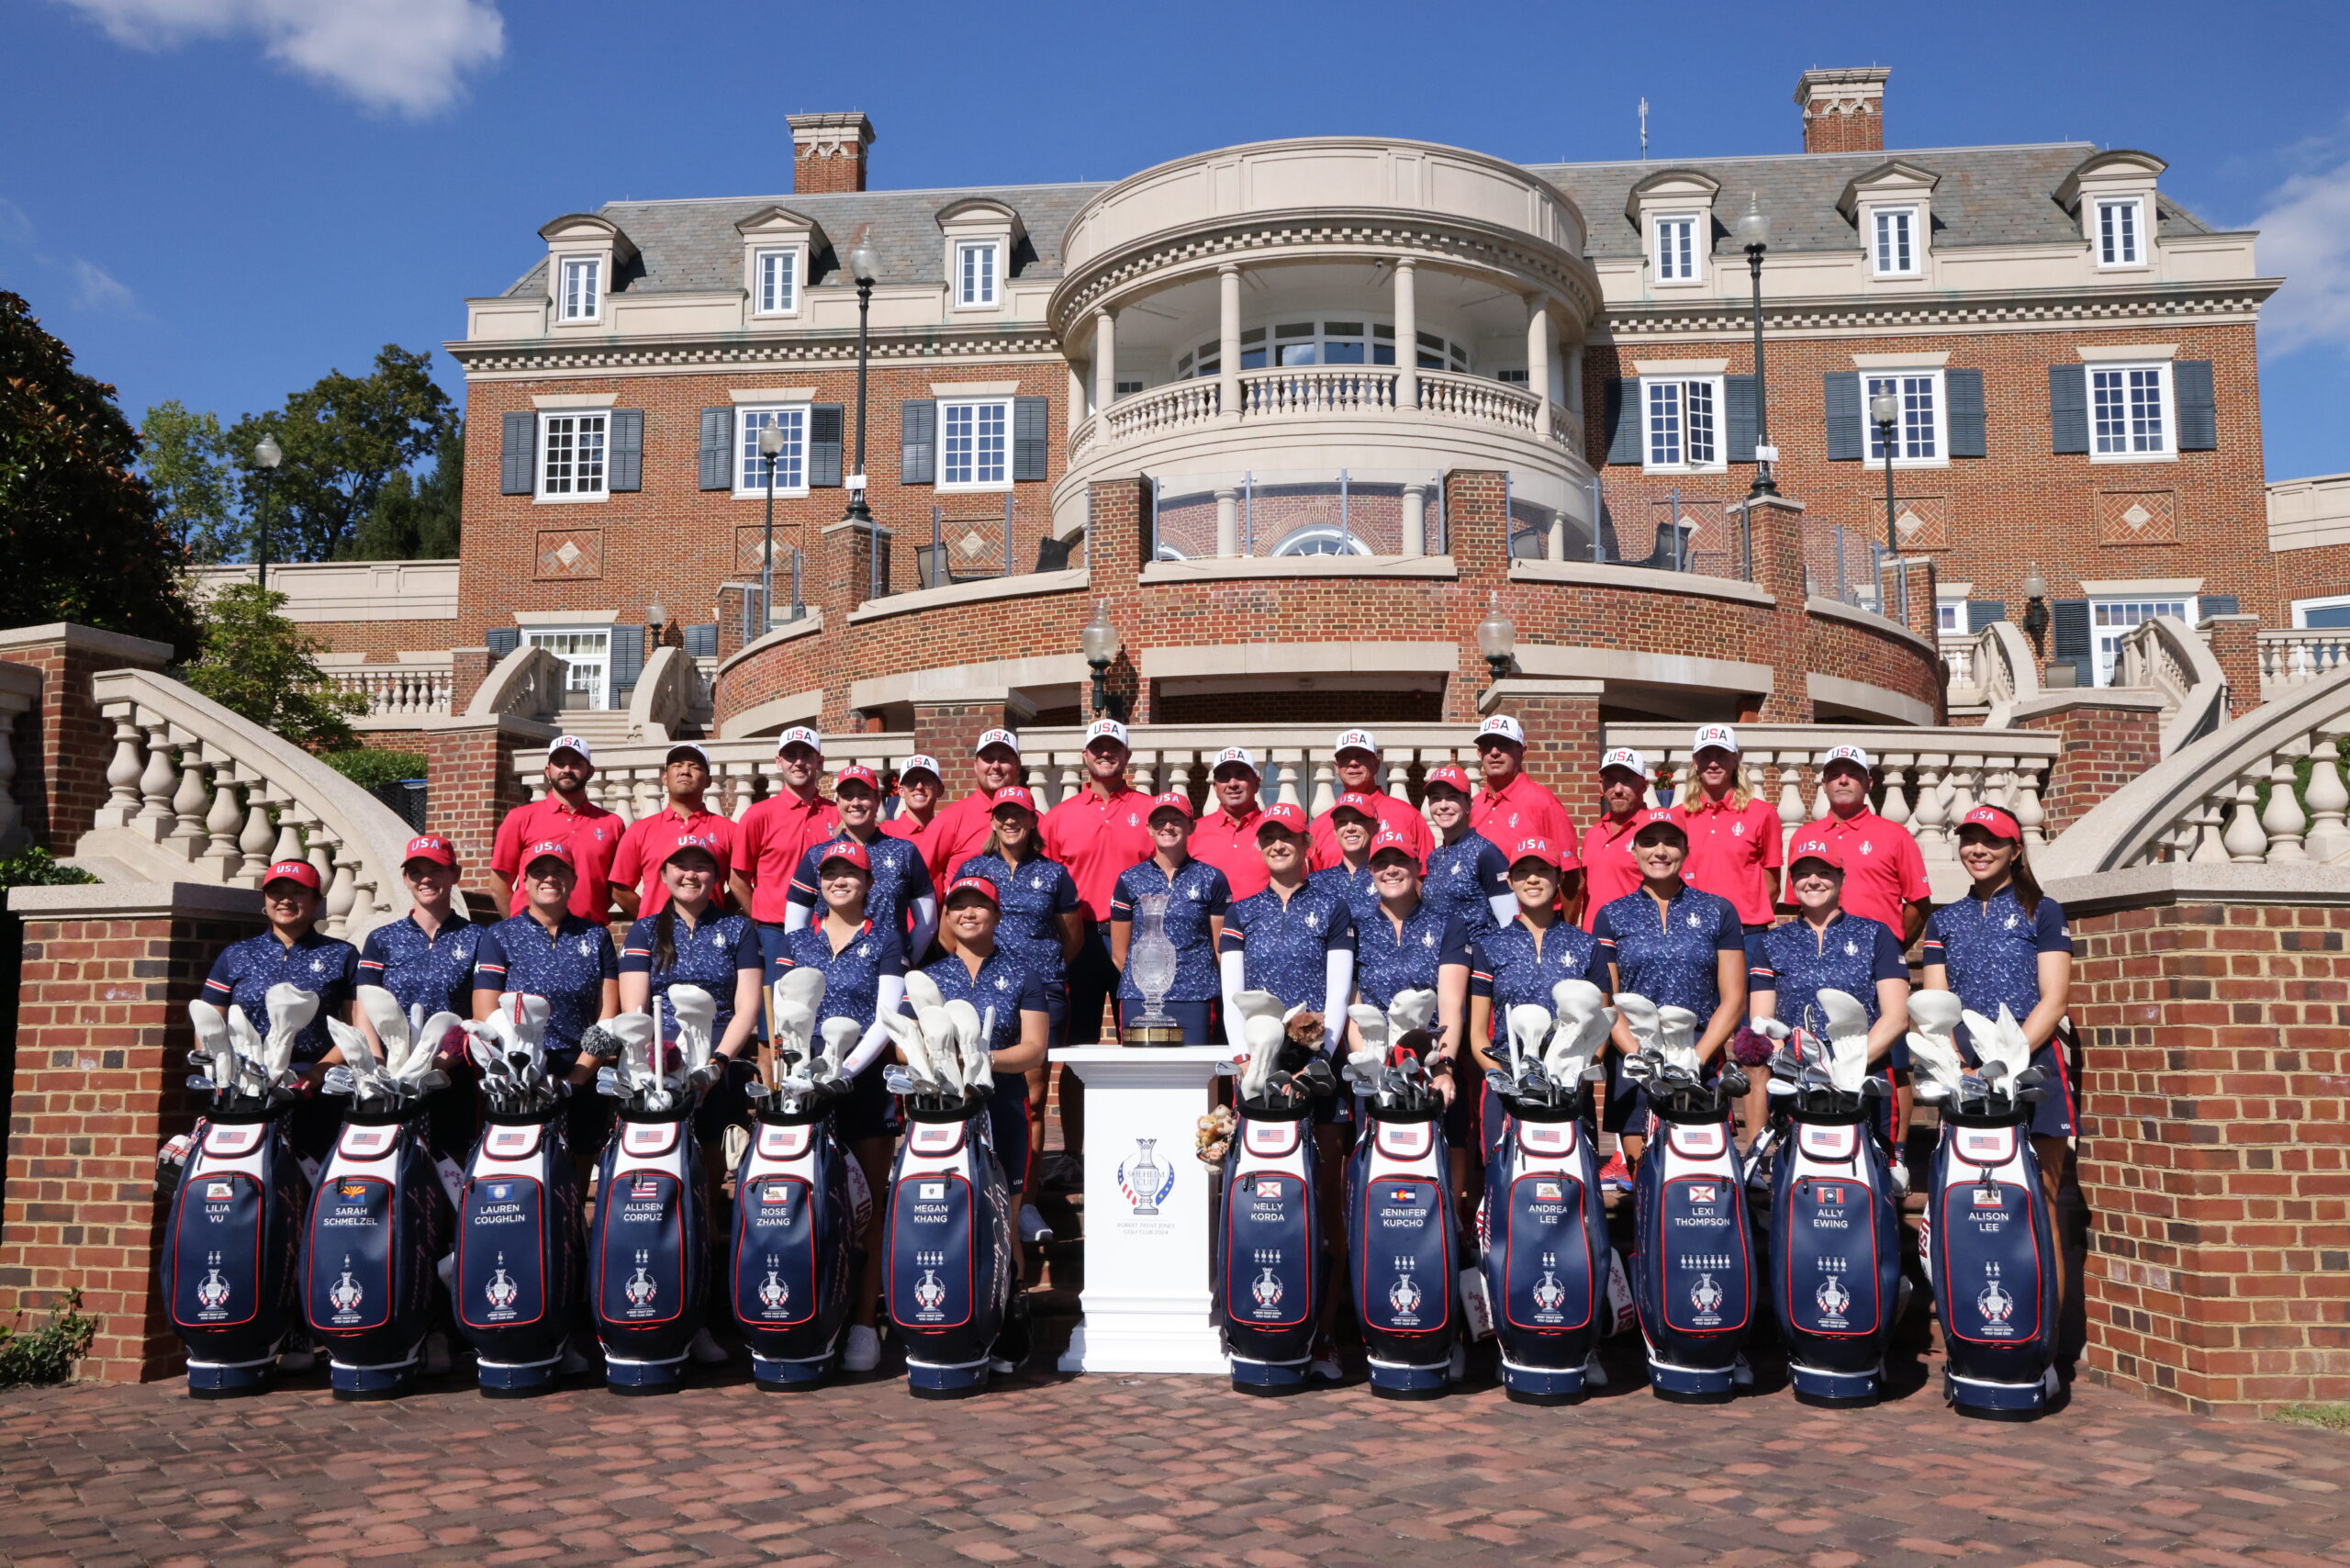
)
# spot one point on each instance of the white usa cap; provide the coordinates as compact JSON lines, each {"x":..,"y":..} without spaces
{"x":1236,"y":755}
{"x":571,"y":743}
{"x":1851,"y":754}
{"x":1355,"y":740}
{"x":1105,"y":730}
{"x":1624,"y":757}
{"x":803,"y":735}
{"x":922,"y":762}
{"x":1720,"y":736}
{"x":996,"y":737}
{"x":1502,"y":724}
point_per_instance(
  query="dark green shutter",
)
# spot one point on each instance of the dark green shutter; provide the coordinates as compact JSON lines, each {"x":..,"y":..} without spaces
{"x":2217,"y":604}
{"x":1738,"y":397}
{"x":502,"y":641}
{"x":1844,"y":396}
{"x":517,"y":455}
{"x":718,"y":449}
{"x":1031,"y":418}
{"x":627,"y":449}
{"x":824,"y":444}
{"x":1982,"y":612}
{"x":918,"y":442}
{"x":2068,"y":409}
{"x":2199,"y":411}
{"x":1623,"y":428}
{"x":628,"y":662}
{"x":1964,"y":388}
{"x":2069,"y":636}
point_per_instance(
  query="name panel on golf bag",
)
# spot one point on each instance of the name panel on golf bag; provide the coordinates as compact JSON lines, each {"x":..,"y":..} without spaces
{"x":641,"y":1262}
{"x":1703,"y":1264}
{"x":1269,"y":1246}
{"x":1548,"y":1285}
{"x":932,"y":1252}
{"x":1833,"y":1260}
{"x":1405,"y":1282}
{"x":1989,"y":1266}
{"x":350,"y":1283}
{"x":775,"y":1253}
{"x":501,"y":1275}
{"x":218,"y":1250}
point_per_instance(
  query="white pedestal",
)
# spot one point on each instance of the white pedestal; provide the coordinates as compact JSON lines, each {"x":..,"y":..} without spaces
{"x":1147,"y":1282}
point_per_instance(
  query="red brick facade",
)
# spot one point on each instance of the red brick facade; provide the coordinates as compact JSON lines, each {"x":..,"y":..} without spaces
{"x":2109,"y":739}
{"x":474,"y":785}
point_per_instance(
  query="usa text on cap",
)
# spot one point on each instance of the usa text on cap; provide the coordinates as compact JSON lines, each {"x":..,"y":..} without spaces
{"x":300,"y":872}
{"x":1658,"y":817}
{"x":1173,"y":801}
{"x":1851,"y":754}
{"x":1721,"y":737}
{"x":707,"y":844}
{"x":1624,"y":757}
{"x":571,"y":744}
{"x":1995,"y":822}
{"x":1282,"y":815}
{"x":425,"y":846}
{"x":857,"y":773}
{"x":1356,"y":800}
{"x":996,"y":737}
{"x":1013,"y":795}
{"x":1501,"y":726}
{"x":1535,"y":849}
{"x":921,"y":762}
{"x":982,"y":886}
{"x":1355,"y":740}
{"x":1818,"y":849}
{"x":800,"y":734}
{"x":847,"y":849}
{"x":1234,"y":756}
{"x":547,"y":849}
{"x":1452,"y":775}
{"x":1388,"y":838}
{"x":1105,"y":730}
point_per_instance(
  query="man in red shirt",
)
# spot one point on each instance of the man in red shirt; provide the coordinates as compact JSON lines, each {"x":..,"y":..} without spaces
{"x":1512,"y":808}
{"x":564,"y":815}
{"x":778,"y":831}
{"x":919,"y":786}
{"x":1226,"y":836}
{"x":964,"y":829}
{"x":1355,"y":758}
{"x":637,"y":887}
{"x":1609,"y":870}
{"x":1885,"y":873}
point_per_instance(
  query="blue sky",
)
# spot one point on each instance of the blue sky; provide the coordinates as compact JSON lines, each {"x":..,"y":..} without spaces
{"x":217,"y":200}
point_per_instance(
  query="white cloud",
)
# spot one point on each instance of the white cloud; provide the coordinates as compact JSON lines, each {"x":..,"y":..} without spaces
{"x":100,"y":289}
{"x":2305,"y":238}
{"x":389,"y":54}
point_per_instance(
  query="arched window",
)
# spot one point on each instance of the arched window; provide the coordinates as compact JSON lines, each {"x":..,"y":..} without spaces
{"x":1321,"y":540}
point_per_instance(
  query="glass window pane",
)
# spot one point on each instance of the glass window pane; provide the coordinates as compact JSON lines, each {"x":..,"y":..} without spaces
{"x":1342,"y":353}
{"x":1699,"y":398}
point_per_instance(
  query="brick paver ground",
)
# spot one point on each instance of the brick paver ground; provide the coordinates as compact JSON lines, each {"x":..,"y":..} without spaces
{"x":1145,"y":1470}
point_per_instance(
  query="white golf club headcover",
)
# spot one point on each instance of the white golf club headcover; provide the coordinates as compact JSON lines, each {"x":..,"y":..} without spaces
{"x":923,"y":991}
{"x":1848,"y":1038}
{"x":432,"y":1037}
{"x":907,"y":1034}
{"x":1528,"y":1026}
{"x":795,"y":1000}
{"x":1677,"y":1036}
{"x":1258,"y":1004}
{"x":390,"y":1022}
{"x":979,"y":1071}
{"x":290,"y":1011}
{"x":1640,"y":1016}
{"x":696,"y":1011}
{"x":1408,"y":1010}
{"x":938,"y":1039}
{"x":352,"y":1044}
{"x":2001,"y":1041}
{"x":1264,"y":1036}
{"x":487,"y":1050}
{"x":634,"y":1032}
{"x":840,"y":1038}
{"x":212,"y":1039}
{"x":1933,"y":1049}
{"x":1582,"y":1028}
{"x":970,"y":1048}
{"x":1371,"y":1024}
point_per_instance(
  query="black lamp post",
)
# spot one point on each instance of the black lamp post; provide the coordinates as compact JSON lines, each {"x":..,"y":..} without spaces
{"x":1886,"y":409}
{"x":269,"y":455}
{"x":1752,"y":232}
{"x":864,"y":266}
{"x":770,"y":446}
{"x":1101,"y":641}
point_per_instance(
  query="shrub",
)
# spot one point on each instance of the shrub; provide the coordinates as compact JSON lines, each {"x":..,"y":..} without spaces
{"x":38,"y":869}
{"x":374,"y":769}
{"x":47,"y":1354}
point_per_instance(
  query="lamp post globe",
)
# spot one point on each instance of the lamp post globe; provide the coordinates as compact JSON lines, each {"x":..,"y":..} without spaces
{"x":1496,"y":639}
{"x":268,"y":455}
{"x":1100,"y":643}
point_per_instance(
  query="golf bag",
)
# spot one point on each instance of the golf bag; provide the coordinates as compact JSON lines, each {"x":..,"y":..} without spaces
{"x":950,"y":1276}
{"x":1694,"y":1276}
{"x":650,"y":1248}
{"x":379,"y":1223}
{"x":1835,"y":1255}
{"x":230,"y":1265}
{"x":793,"y":1260}
{"x":1269,"y":1266}
{"x":516,"y":1276}
{"x":1547,"y":1257}
{"x":1990,"y":1249}
{"x":1402,"y":1239}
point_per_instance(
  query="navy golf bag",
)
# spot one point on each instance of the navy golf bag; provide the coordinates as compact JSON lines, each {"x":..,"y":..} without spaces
{"x":379,"y":1223}
{"x":1693,"y":1279}
{"x":793,"y":1258}
{"x":1547,"y":1257}
{"x":950,"y":1276}
{"x":1835,"y":1255}
{"x":230,"y":1261}
{"x":650,"y":1249}
{"x":515,"y":1280}
{"x":1269,"y":1266}
{"x":1990,"y":1249}
{"x":1402,"y":1240}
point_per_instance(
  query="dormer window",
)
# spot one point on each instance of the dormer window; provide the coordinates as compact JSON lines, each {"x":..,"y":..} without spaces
{"x":776,"y":290}
{"x":1895,"y":249}
{"x":2120,"y":224}
{"x":581,"y":298}
{"x":1676,"y":248}
{"x":978,"y":266}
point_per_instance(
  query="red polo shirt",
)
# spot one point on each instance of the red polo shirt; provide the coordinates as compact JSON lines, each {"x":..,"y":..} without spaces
{"x":775,"y":834}
{"x":646,"y":846}
{"x":1733,"y":854}
{"x":591,"y":832}
{"x":1099,"y":837}
{"x":1229,"y":844}
{"x":1521,"y":810}
{"x":1609,"y":870}
{"x":1883,"y":868}
{"x":1398,"y":814}
{"x":958,"y":831}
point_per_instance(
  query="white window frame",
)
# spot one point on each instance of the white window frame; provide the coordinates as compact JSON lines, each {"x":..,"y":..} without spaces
{"x":571,"y":425}
{"x":597,"y":683}
{"x":977,"y":410}
{"x":1678,"y":232}
{"x":2105,"y":637}
{"x":1908,"y":432}
{"x":2301,"y":608}
{"x":790,"y":255}
{"x":1908,"y":223}
{"x":1302,"y":541}
{"x":966,"y":297}
{"x":751,"y":464}
{"x":2168,"y":449}
{"x":1652,"y":387}
{"x":593,"y":268}
{"x":2136,"y":257}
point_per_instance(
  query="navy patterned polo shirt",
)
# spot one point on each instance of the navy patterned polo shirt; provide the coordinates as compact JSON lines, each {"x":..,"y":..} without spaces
{"x":1195,"y":893}
{"x":1388,"y":959}
{"x":435,"y":970}
{"x":1284,"y":948}
{"x":566,"y":967}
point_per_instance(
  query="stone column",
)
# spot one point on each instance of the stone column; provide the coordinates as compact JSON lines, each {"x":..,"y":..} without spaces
{"x":1775,"y":525}
{"x":1076,"y":399}
{"x":1538,"y":361}
{"x":1228,"y":282}
{"x":1105,"y":361}
{"x":2110,"y":737}
{"x":1415,"y":519}
{"x":1227,"y":521}
{"x":1407,"y":335}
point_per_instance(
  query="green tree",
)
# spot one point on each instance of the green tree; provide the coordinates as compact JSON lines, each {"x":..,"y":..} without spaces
{"x":81,"y":538}
{"x":415,"y":519}
{"x":184,"y":461}
{"x":261,"y":666}
{"x":345,"y":438}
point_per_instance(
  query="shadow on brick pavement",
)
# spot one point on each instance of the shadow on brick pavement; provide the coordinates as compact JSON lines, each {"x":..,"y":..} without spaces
{"x":1144,"y":1471}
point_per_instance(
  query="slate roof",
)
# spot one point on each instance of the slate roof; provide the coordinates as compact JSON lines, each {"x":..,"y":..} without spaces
{"x":1988,"y":195}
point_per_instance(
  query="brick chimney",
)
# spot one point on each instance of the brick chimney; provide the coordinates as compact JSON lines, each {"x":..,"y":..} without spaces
{"x":828,"y":152}
{"x":1844,"y":111}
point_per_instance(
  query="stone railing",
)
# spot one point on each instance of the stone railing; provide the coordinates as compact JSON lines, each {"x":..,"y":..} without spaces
{"x":2292,"y":658}
{"x":667,"y":694}
{"x":411,"y":688}
{"x":196,"y":794}
{"x":1489,"y":402}
{"x":1082,"y":436}
{"x":2170,"y":657}
{"x":525,"y":683}
{"x":2202,"y":804}
{"x":1991,"y":670}
{"x":1302,"y":390}
{"x":1165,"y":407}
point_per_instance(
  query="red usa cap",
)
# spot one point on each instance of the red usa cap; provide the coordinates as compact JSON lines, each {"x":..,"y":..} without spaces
{"x":1173,"y":801}
{"x":300,"y":872}
{"x":1815,"y":847}
{"x":857,"y":773}
{"x":1451,"y":774}
{"x":548,"y":849}
{"x":1356,"y":800}
{"x":982,"y":886}
{"x":1657,"y":816}
{"x":709,"y":844}
{"x":1015,"y":795}
{"x":1388,"y":838}
{"x":1998,"y":823}
{"x":1536,"y":848}
{"x":427,"y":847}
{"x":1282,"y":815}
{"x":847,"y":849}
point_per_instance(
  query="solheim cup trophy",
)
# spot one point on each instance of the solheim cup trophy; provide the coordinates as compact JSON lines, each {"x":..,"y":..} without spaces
{"x":1151,"y":961}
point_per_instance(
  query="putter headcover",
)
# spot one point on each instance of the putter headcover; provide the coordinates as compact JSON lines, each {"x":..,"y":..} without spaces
{"x":1677,"y":1037}
{"x":1640,"y":1016}
{"x":795,"y":999}
{"x":290,"y":1011}
{"x":2001,"y":1041}
{"x":1933,"y":1051}
{"x":1846,"y":1029}
{"x":212,"y":1039}
{"x":1584,"y":1021}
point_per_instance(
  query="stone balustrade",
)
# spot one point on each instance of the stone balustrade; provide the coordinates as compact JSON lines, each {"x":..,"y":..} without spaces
{"x":412,"y":689}
{"x":2170,"y":658}
{"x":1990,"y":672}
{"x":1162,"y":408}
{"x":2298,"y":656}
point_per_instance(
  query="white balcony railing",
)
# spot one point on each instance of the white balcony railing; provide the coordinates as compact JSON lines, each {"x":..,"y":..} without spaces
{"x":2169,"y":657}
{"x":2292,"y":658}
{"x":1992,"y":670}
{"x":411,"y":688}
{"x":1164,"y":408}
{"x":1300,"y":391}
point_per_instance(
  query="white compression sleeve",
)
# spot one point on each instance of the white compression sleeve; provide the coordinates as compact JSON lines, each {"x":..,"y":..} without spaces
{"x":1229,"y":967}
{"x":889,"y":996}
{"x":1339,"y":967}
{"x":925,"y":910}
{"x":1504,"y":908}
{"x":796,"y":916}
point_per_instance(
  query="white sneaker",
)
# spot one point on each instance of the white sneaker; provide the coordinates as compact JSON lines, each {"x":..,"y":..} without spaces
{"x":1740,"y":1374}
{"x":436,"y":1354}
{"x":575,"y":1359}
{"x":705,"y":1350}
{"x":864,"y":1353}
{"x":1456,"y":1367}
{"x":1033,"y":1228}
{"x":297,"y":1361}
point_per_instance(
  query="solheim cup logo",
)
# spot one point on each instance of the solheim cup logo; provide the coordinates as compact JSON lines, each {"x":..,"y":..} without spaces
{"x":1549,"y":1294}
{"x":346,"y":1294}
{"x":1834,"y":1300}
{"x":929,"y":1294}
{"x":641,"y":1288}
{"x":1403,"y":1295}
{"x":1706,"y":1296}
{"x":1266,"y":1289}
{"x":212,"y":1291}
{"x":501,"y":1290}
{"x":774,"y":1292}
{"x":1993,"y":1301}
{"x":1143,"y":1181}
